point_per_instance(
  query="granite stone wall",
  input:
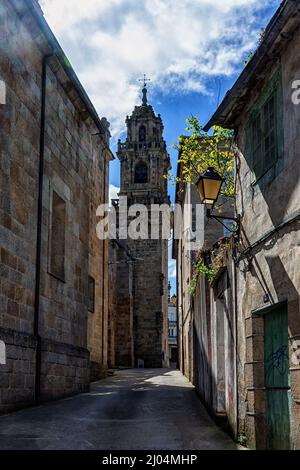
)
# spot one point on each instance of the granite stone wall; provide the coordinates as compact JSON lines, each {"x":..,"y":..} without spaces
{"x":270,"y":273}
{"x":17,"y":377}
{"x":76,"y":169}
{"x":121,"y":307}
{"x":150,"y":256}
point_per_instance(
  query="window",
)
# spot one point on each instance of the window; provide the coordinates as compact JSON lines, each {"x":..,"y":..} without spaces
{"x":256,"y":146}
{"x":173,"y":332}
{"x":91,"y":294}
{"x":269,"y":126}
{"x":141,"y":173}
{"x":264,"y":130}
{"x":57,"y":237}
{"x":142,"y":134}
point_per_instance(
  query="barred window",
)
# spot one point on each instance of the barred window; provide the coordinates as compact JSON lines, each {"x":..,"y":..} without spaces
{"x":264,"y":133}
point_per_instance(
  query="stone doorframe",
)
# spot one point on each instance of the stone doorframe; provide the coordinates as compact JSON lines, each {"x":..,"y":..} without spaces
{"x":256,"y":427}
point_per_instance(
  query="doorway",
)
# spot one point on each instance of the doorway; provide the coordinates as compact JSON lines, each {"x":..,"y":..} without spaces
{"x":277,"y":378}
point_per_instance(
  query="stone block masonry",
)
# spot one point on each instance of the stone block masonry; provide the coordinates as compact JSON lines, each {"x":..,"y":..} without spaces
{"x":65,"y":370}
{"x":144,"y":165}
{"x":121,"y":307}
{"x":148,"y":318}
{"x":17,"y":376}
{"x":63,"y":331}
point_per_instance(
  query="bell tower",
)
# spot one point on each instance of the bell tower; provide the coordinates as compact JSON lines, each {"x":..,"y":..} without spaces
{"x":143,"y":156}
{"x":144,"y":165}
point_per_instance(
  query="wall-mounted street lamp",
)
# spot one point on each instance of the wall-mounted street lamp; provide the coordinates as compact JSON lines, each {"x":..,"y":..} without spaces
{"x":209,"y":187}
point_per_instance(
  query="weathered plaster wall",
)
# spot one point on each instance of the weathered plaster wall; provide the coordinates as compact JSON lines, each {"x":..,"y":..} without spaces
{"x":272,"y":267}
{"x":184,"y":276}
{"x":206,"y":320}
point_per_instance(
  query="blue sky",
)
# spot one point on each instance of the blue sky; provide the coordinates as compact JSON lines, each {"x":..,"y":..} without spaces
{"x":187,"y":47}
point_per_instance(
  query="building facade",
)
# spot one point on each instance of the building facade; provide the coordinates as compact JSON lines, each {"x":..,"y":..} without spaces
{"x":121,"y":344}
{"x":54,"y":173}
{"x":206,"y":311}
{"x":263,"y":109}
{"x":144,"y":167}
{"x":173,"y":335}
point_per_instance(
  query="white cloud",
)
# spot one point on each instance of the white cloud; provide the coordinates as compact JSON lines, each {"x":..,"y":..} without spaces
{"x":178,"y":43}
{"x":171,"y":262}
{"x":113,"y":192}
{"x":172,"y":269}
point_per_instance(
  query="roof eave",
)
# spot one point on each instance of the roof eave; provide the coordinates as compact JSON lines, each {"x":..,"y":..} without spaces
{"x":64,"y":62}
{"x":225,"y":115}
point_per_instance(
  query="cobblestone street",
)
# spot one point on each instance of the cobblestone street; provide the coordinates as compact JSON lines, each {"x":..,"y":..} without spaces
{"x":132,"y":410}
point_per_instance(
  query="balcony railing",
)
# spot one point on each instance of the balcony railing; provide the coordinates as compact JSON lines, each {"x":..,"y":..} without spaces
{"x":141,"y":145}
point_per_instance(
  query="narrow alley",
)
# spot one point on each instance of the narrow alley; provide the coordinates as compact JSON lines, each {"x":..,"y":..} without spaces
{"x":133,"y":409}
{"x":149,"y":229}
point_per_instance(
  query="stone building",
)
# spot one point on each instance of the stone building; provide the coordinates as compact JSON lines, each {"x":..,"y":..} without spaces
{"x":54,"y":164}
{"x":263,"y":109}
{"x":173,"y":337}
{"x":206,"y":313}
{"x":185,"y":195}
{"x":121,"y":346}
{"x":144,"y":165}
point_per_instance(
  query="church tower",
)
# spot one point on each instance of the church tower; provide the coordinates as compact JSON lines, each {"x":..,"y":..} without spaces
{"x":144,"y":164}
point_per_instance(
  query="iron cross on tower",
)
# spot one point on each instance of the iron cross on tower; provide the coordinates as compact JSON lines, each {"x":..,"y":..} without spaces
{"x":145,"y":80}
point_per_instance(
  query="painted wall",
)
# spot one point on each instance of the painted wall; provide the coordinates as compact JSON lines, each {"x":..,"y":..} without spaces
{"x":206,"y":320}
{"x":271,"y":268}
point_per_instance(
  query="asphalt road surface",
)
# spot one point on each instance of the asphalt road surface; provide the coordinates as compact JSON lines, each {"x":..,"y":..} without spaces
{"x":131,"y":410}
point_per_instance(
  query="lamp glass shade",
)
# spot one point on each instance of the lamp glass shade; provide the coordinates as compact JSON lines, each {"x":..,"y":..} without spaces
{"x":209,"y":186}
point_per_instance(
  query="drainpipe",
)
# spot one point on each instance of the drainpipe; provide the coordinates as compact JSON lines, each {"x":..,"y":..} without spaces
{"x":39,"y":233}
{"x":236,"y":312}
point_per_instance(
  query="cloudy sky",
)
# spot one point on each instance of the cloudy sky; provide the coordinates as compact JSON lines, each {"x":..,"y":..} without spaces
{"x":192,"y":50}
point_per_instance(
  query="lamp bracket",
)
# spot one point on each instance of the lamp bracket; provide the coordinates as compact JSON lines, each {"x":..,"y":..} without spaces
{"x":220,"y":218}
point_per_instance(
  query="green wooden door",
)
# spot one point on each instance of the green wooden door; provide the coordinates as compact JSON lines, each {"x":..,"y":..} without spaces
{"x":277,"y":379}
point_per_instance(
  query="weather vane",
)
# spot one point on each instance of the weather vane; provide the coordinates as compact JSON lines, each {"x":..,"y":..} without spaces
{"x":144,"y":80}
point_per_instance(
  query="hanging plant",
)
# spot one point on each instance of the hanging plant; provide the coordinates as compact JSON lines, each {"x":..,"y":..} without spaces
{"x":198,"y":151}
{"x":210,"y":265}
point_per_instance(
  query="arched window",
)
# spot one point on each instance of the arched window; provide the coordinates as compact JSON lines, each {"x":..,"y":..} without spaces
{"x":142,"y":134}
{"x":141,"y":173}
